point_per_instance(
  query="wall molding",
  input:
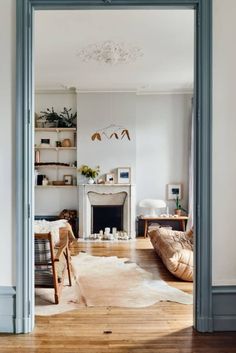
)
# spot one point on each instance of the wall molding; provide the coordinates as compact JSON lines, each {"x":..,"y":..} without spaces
{"x":55,"y":91}
{"x":7,"y":308}
{"x":137,"y":92}
{"x":223,"y":308}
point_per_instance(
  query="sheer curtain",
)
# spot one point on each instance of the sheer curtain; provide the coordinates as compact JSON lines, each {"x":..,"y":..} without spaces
{"x":191,"y":171}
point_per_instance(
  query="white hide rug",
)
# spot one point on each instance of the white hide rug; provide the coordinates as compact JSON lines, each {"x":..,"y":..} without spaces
{"x":108,"y":281}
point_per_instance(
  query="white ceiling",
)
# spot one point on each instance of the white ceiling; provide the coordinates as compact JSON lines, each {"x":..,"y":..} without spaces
{"x":164,"y":36}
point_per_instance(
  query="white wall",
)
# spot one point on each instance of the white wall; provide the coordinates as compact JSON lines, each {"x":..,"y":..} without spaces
{"x":162,"y":142}
{"x":159,"y":146}
{"x":56,"y":99}
{"x":52,"y":201}
{"x":224,"y":143}
{"x":96,"y":111}
{"x":7,"y":142}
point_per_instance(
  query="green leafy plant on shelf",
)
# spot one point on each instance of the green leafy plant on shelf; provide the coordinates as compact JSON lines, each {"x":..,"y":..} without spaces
{"x":89,"y":172}
{"x":50,"y":117}
{"x":64,"y":119}
{"x":68,"y":119}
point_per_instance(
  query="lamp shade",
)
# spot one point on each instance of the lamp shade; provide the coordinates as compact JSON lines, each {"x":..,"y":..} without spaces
{"x":152,"y":203}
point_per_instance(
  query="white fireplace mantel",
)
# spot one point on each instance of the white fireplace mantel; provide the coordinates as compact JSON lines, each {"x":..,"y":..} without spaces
{"x":106,"y":189}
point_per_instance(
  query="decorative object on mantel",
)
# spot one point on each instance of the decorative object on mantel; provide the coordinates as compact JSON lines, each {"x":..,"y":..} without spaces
{"x":114,"y":131}
{"x":110,"y":178}
{"x":50,"y":118}
{"x":89,"y":173}
{"x":110,"y":52}
{"x":123,"y":175}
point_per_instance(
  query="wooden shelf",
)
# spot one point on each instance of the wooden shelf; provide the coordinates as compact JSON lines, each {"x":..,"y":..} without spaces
{"x":56,"y":148}
{"x":55,"y":186}
{"x":55,"y":129}
{"x":54,"y":167}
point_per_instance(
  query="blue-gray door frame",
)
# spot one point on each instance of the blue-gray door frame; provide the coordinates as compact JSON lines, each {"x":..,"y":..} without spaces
{"x":24,"y":321}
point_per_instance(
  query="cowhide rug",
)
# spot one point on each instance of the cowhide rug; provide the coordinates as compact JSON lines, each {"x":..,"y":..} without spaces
{"x":108,"y":281}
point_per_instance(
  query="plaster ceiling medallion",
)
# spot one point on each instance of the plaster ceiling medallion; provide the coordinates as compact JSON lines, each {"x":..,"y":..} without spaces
{"x":110,"y":52}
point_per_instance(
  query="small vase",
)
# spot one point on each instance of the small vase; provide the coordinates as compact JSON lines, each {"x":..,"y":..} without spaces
{"x":91,"y":181}
{"x":66,"y":143}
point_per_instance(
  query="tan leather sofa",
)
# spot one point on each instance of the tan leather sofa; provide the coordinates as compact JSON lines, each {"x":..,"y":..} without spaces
{"x":176,"y":251}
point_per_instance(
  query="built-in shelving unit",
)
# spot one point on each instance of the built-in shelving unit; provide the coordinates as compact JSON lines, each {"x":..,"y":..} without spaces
{"x":55,"y":148}
{"x":54,"y":167}
{"x":57,"y":155}
{"x":55,"y":129}
{"x":55,"y":186}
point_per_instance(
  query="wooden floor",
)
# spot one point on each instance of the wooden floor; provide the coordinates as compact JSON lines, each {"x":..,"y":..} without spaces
{"x":162,"y":328}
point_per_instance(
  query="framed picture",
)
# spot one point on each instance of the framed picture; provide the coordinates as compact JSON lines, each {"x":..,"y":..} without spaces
{"x":45,"y":143}
{"x":68,"y":179}
{"x":174,"y":190}
{"x":123,"y":175}
{"x":110,"y":178}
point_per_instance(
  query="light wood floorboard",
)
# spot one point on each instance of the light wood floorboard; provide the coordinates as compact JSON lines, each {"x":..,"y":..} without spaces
{"x":162,"y":328}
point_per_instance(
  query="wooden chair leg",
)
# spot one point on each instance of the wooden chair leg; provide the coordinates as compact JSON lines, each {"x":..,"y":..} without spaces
{"x":56,"y":296}
{"x":67,"y":255}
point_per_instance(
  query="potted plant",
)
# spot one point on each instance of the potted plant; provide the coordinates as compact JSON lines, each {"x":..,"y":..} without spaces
{"x":178,"y":208}
{"x":51,"y":117}
{"x":64,"y":119}
{"x":89,"y":173}
{"x":67,"y":119}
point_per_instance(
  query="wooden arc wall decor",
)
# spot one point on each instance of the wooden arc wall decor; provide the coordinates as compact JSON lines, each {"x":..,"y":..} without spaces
{"x":112,"y":131}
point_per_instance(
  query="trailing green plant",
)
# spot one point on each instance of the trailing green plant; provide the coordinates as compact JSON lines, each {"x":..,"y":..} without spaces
{"x":89,"y":172}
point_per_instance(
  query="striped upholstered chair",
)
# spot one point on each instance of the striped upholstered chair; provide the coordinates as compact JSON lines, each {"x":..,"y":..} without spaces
{"x":51,"y":264}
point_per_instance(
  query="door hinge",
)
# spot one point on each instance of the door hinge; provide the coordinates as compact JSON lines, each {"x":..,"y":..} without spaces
{"x":29,"y":116}
{"x":29,"y":213}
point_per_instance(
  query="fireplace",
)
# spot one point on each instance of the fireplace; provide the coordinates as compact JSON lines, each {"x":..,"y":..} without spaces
{"x":103,"y":205}
{"x":106,"y":216}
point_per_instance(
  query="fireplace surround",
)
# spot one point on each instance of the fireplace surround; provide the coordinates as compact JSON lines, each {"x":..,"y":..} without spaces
{"x":92,"y":195}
